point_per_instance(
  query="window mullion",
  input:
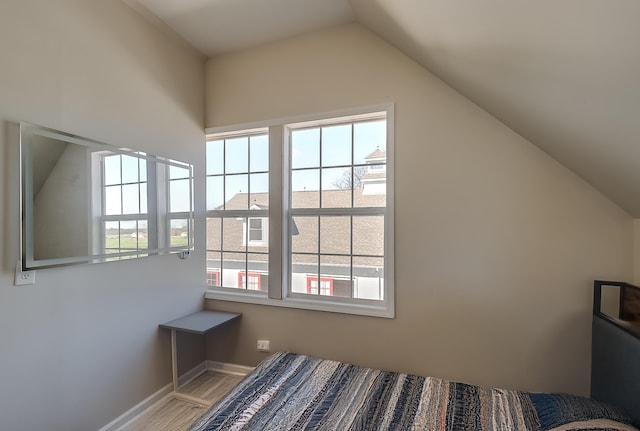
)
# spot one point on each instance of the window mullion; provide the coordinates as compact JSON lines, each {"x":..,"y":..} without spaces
{"x":278,"y":230}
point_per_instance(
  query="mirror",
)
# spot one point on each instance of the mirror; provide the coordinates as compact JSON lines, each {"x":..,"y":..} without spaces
{"x":84,"y":201}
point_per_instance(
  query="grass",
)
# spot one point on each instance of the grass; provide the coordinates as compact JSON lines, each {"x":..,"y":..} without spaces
{"x":140,"y":243}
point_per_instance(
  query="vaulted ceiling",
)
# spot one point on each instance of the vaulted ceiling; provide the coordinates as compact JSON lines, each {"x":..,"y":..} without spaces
{"x":564,"y":74}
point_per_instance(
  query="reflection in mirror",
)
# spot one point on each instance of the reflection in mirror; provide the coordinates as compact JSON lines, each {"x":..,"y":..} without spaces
{"x":620,"y":302}
{"x":610,"y":302}
{"x":84,"y":201}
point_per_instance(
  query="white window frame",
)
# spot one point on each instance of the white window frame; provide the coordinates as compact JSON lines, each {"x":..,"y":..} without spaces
{"x":279,"y":274}
{"x":157,"y":216}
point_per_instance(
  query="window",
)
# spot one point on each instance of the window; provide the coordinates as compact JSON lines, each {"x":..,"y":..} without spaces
{"x":326,"y":286}
{"x":237,"y":169}
{"x":127,"y":183}
{"x":124,"y":203}
{"x":257,"y":231}
{"x":179,"y":213}
{"x":249,"y":281}
{"x":213,"y":278}
{"x":305,"y":204}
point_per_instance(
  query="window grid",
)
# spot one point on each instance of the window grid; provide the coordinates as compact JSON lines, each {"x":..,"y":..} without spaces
{"x":121,"y":219}
{"x":227,"y":215}
{"x":324,"y":209}
{"x":360,"y":176}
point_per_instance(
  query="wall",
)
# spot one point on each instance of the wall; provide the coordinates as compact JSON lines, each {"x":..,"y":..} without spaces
{"x":82,"y":346}
{"x":497,"y":244}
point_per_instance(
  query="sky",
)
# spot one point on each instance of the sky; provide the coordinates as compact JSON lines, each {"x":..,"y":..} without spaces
{"x":125,"y":180}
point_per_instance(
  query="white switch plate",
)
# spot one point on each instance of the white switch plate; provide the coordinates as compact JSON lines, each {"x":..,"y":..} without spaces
{"x":24,"y":277}
{"x":264,"y":345}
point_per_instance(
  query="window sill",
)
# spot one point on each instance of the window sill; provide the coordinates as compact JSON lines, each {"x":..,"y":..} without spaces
{"x":384,"y":310}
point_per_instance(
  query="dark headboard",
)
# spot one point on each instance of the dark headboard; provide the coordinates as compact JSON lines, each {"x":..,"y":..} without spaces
{"x":615,"y":350}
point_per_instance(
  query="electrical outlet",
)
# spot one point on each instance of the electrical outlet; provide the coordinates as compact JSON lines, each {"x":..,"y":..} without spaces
{"x":23,"y":277}
{"x":264,"y":346}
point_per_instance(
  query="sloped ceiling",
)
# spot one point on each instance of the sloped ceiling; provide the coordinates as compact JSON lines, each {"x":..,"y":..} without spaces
{"x":564,"y":74}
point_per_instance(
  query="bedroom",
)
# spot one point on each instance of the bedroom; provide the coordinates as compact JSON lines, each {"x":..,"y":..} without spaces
{"x":493,"y":235}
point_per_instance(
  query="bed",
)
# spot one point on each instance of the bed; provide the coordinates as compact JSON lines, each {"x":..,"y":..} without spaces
{"x":289,"y":391}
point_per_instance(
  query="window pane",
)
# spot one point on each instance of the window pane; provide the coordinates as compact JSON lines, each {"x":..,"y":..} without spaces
{"x":179,"y":232}
{"x":213,"y":269}
{"x":131,"y":199}
{"x":112,"y":170}
{"x":259,"y":146}
{"x":177,"y":172}
{"x":304,"y":234}
{"x":214,"y":234}
{"x":337,"y":179}
{"x":236,"y":189}
{"x":304,"y":189}
{"x":112,"y":235}
{"x":113,"y":200}
{"x":215,"y":157}
{"x":143,"y":169}
{"x":232,"y":265}
{"x":369,"y":278}
{"x":302,"y":266}
{"x":258,"y":264}
{"x":371,"y":200}
{"x":237,"y":155}
{"x":305,"y":148}
{"x":143,"y":198}
{"x":367,"y":138}
{"x":336,"y":145}
{"x":255,"y":229}
{"x":338,"y":270}
{"x":233,"y":231}
{"x":179,"y":194}
{"x":259,"y":184}
{"x":335,"y":235}
{"x":249,"y":281}
{"x":336,"y":188}
{"x":130,"y":169}
{"x":128,"y":235}
{"x":368,"y":235}
{"x":215,"y":193}
{"x":143,"y":234}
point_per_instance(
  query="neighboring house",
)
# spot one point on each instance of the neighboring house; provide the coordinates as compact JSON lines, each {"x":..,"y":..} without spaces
{"x":332,"y":276}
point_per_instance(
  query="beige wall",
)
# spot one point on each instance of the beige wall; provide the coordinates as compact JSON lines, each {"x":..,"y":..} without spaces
{"x":82,"y":346}
{"x":496,"y":243}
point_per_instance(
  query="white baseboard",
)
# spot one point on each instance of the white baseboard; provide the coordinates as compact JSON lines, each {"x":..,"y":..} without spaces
{"x":226,"y":368}
{"x":135,"y":411}
{"x":192,"y":374}
{"x":132,"y":414}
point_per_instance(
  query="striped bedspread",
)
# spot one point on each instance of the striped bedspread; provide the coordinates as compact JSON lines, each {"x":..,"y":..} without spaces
{"x":295,"y":392}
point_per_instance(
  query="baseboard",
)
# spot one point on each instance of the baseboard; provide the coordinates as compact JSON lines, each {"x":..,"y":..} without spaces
{"x":192,"y":373}
{"x":135,"y":411}
{"x":226,"y":368}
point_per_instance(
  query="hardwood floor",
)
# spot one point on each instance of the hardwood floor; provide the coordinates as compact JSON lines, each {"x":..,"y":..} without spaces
{"x":172,"y":414}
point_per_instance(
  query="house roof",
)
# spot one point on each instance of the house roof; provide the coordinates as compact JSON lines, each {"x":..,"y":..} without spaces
{"x":561,"y":74}
{"x":305,"y":233}
{"x":311,"y":199}
{"x":377,"y":154}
